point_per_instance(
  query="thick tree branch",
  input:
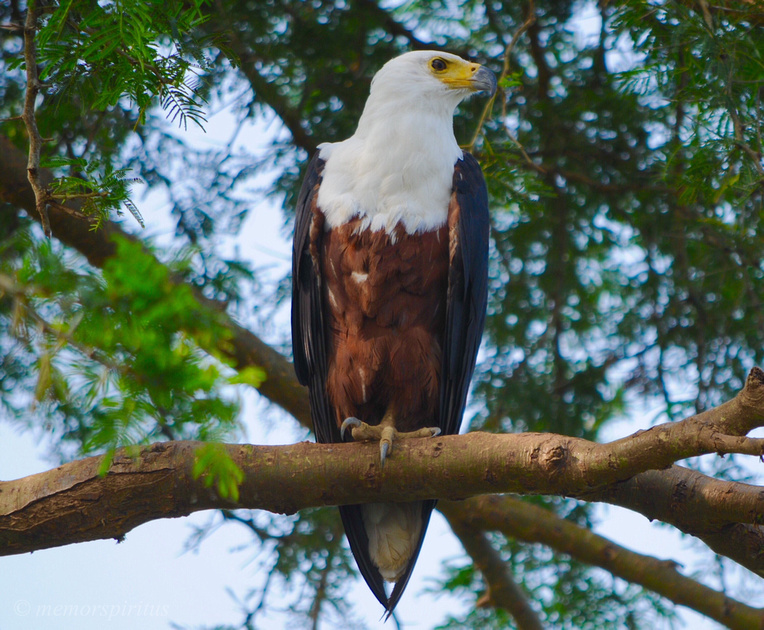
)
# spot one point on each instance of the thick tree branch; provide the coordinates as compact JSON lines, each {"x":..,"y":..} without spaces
{"x":74,"y":504}
{"x":76,"y":230}
{"x":725,"y":515}
{"x":445,"y":467}
{"x":524,"y":521}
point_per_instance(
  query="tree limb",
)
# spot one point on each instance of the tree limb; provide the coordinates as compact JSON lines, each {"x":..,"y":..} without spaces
{"x":725,"y":515}
{"x":289,"y":478}
{"x":28,"y":116}
{"x":76,"y":230}
{"x":503,"y":591}
{"x":73,"y":503}
{"x":524,"y":521}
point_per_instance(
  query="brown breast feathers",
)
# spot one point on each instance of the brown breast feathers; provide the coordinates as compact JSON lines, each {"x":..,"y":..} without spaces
{"x":386,"y":301}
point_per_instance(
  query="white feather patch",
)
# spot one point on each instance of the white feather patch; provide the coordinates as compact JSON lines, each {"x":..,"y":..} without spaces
{"x":393,"y":531}
{"x":399,"y":164}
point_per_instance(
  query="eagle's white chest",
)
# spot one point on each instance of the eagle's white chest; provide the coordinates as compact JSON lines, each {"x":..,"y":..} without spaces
{"x":391,"y":174}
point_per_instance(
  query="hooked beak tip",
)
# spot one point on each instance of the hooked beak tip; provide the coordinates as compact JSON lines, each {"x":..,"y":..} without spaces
{"x":485,"y":81}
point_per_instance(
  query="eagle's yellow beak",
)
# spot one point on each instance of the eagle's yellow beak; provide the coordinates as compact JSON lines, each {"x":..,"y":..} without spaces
{"x":471,"y":76}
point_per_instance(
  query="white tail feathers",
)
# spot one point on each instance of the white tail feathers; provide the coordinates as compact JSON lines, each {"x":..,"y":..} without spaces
{"x":393,"y":531}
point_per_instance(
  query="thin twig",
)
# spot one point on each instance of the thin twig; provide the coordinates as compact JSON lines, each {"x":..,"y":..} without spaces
{"x":530,"y":20}
{"x":35,"y":139}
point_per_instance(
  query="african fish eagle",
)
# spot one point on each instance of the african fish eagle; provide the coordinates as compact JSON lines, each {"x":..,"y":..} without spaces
{"x":389,"y":279}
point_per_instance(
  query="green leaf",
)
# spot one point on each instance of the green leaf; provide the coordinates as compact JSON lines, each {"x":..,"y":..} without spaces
{"x":214,"y":465}
{"x":250,"y":375}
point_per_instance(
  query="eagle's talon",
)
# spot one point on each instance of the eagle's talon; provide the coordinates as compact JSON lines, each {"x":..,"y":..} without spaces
{"x":386,"y":438}
{"x":384,"y":433}
{"x":349,"y":422}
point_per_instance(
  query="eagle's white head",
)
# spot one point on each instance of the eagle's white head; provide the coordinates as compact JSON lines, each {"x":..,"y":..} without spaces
{"x":428,"y":79}
{"x":398,"y":166}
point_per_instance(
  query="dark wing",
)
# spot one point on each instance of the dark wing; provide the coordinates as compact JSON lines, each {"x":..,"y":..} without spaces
{"x":467,"y":290}
{"x":465,"y":312}
{"x":308,"y":332}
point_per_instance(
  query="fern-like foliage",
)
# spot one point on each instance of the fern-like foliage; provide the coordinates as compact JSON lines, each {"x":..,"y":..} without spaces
{"x":143,"y":51}
{"x":103,"y":56}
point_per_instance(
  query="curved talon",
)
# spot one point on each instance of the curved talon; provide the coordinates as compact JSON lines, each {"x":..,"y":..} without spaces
{"x":436,"y":431}
{"x":349,"y":422}
{"x":386,"y":437}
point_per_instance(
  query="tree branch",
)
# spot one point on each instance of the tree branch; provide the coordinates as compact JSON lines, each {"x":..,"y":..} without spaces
{"x":76,"y":230}
{"x":725,"y":515}
{"x":503,"y":591}
{"x":267,"y":92}
{"x":524,"y":521}
{"x":158,"y":484}
{"x":289,"y":478}
{"x":73,"y":503}
{"x":28,"y":116}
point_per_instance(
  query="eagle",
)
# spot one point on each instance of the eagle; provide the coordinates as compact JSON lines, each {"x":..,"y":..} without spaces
{"x":389,"y":281}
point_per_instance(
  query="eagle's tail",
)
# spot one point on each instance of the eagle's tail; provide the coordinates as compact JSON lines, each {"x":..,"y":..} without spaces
{"x":385,"y":539}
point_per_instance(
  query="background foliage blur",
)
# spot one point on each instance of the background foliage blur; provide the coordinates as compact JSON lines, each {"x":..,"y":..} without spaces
{"x":624,"y":161}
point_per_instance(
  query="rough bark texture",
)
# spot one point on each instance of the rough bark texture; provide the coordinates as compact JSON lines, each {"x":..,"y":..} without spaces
{"x":445,"y":467}
{"x":73,"y":503}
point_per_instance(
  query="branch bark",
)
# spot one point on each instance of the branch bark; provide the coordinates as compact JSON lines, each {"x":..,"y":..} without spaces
{"x":524,"y":521}
{"x":725,"y":515}
{"x":28,"y":116}
{"x":73,"y":503}
{"x":289,"y":478}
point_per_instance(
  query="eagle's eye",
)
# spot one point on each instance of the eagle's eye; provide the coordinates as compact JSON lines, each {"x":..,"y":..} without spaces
{"x":438,"y":64}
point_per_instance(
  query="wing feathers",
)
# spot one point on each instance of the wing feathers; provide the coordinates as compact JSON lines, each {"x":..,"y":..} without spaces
{"x":308,"y":332}
{"x":467,"y":289}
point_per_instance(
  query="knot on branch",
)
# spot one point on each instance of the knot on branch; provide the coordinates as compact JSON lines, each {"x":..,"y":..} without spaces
{"x":552,"y":457}
{"x":753,"y":392}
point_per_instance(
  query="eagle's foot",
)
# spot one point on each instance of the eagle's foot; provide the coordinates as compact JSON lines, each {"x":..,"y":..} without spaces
{"x":385,"y":434}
